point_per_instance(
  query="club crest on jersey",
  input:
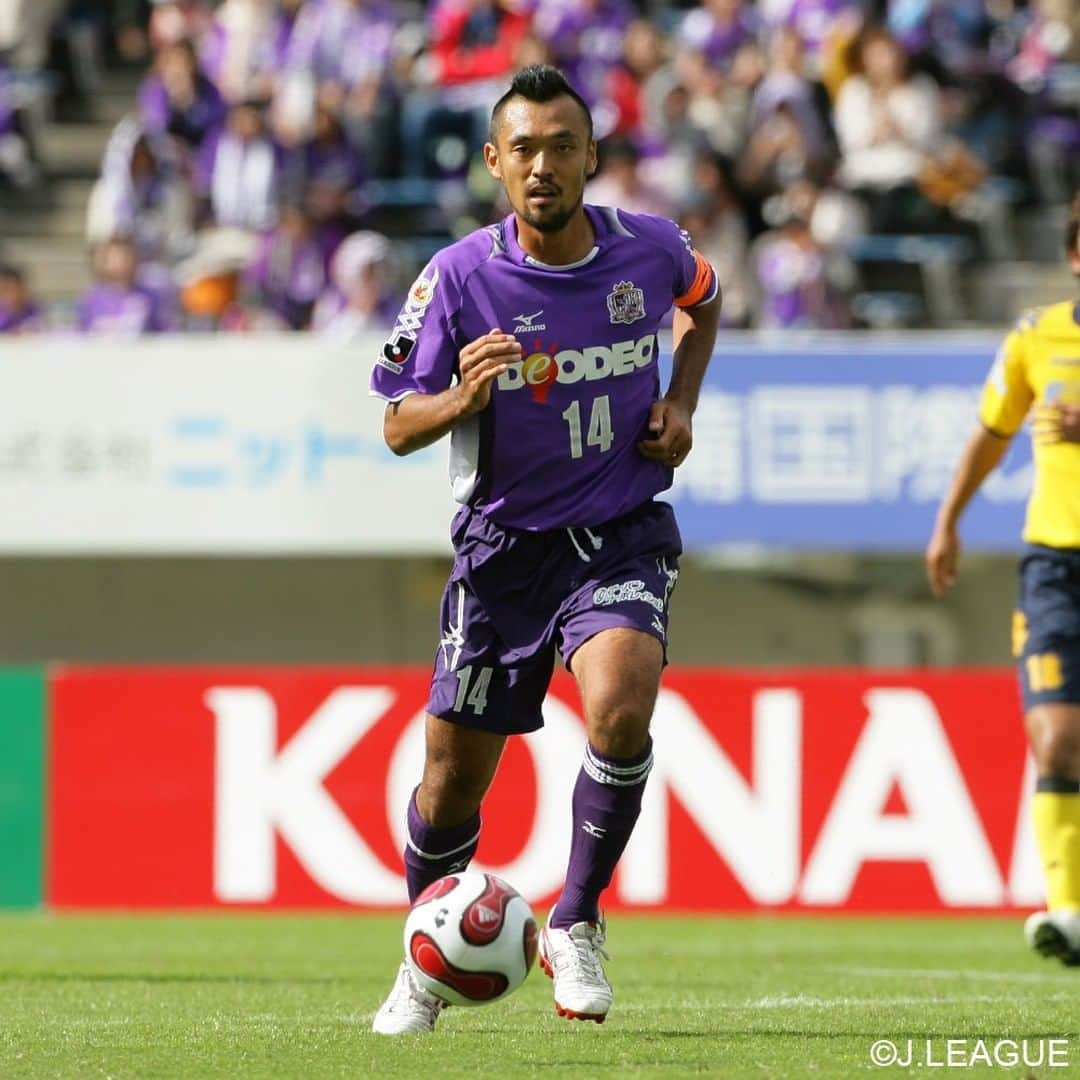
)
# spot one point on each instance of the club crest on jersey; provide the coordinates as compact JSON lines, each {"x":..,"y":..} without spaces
{"x":626,"y":303}
{"x":396,"y":351}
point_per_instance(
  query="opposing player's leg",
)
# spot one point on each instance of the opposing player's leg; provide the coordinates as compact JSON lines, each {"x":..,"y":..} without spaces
{"x":443,"y":821}
{"x":1054,"y":733}
{"x":618,"y":672}
{"x":1046,"y":643}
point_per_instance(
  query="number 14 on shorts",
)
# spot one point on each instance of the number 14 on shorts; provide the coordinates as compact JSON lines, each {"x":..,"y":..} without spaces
{"x":476,"y":696}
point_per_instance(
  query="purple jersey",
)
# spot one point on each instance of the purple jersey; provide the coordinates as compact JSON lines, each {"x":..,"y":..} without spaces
{"x":557,"y":446}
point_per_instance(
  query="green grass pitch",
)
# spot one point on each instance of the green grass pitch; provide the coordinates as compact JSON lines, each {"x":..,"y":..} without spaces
{"x":292,"y":996}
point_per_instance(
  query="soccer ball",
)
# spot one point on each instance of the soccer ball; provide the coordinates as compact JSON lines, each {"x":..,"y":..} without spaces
{"x":470,"y":939}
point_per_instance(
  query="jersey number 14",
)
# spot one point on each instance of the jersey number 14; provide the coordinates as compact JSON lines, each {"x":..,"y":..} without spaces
{"x":599,"y":432}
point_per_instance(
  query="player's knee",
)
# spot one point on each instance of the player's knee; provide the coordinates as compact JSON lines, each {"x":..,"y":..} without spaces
{"x":620,"y":730}
{"x":1056,"y":747}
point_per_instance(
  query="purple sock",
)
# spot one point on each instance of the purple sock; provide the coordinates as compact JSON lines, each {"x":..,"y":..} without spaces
{"x":607,"y":801}
{"x":431,"y":853}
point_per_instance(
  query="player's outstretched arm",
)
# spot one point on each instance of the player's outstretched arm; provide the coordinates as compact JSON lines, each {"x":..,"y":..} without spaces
{"x":980,"y":457}
{"x":421,"y":419}
{"x":670,"y":419}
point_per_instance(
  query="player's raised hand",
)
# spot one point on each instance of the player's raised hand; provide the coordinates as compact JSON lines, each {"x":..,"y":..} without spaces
{"x":942,"y":555}
{"x":670,"y":431}
{"x":1056,"y":423}
{"x":481,"y":362}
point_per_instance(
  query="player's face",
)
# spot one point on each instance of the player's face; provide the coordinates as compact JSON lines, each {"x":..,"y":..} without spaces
{"x":543,"y":156}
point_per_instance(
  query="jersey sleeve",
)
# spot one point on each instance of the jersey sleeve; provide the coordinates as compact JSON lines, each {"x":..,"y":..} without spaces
{"x":1006,"y":394}
{"x":420,"y":356}
{"x":694,"y":280}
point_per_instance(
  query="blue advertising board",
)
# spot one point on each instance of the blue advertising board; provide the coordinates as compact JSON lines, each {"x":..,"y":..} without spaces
{"x":843,"y":445}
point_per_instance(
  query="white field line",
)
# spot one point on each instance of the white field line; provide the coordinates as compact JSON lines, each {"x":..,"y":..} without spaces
{"x":805,"y":1001}
{"x":953,"y":974}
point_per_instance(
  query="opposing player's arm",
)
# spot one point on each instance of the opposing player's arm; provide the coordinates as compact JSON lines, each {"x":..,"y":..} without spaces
{"x":418,"y":420}
{"x":670,"y":420}
{"x":1006,"y":399}
{"x":983,"y":452}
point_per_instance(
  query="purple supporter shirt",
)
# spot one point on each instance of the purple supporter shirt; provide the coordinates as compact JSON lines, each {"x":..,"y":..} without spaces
{"x":718,"y":42}
{"x":335,"y":165}
{"x":25,"y":320}
{"x":342,"y":42}
{"x":586,"y":40}
{"x":557,"y":446}
{"x":289,"y":274}
{"x":813,"y":20}
{"x":158,"y":114}
{"x":263,"y":50}
{"x":109,"y":309}
{"x":7,"y":100}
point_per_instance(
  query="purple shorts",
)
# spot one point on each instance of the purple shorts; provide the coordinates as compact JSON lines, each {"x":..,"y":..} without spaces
{"x":514,"y":597}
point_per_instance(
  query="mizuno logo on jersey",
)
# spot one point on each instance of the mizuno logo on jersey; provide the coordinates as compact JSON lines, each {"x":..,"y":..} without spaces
{"x":527,"y":323}
{"x":569,"y":366}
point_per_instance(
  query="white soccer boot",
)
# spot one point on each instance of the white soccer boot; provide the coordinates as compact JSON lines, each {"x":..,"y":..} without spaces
{"x":572,"y":959}
{"x":1055,"y":933}
{"x":409,"y":1008}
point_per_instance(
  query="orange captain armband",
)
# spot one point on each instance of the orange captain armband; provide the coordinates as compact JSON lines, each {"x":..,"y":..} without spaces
{"x":703,"y":285}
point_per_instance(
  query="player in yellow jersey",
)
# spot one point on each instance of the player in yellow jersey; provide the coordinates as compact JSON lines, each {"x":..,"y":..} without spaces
{"x":1037,"y":371}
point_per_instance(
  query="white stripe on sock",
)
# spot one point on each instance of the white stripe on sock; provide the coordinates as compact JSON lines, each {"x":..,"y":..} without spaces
{"x":601,"y":777}
{"x":442,"y":854}
{"x":618,"y":770}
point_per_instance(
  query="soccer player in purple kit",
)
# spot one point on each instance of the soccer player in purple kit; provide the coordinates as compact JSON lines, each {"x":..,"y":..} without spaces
{"x":533,"y":342}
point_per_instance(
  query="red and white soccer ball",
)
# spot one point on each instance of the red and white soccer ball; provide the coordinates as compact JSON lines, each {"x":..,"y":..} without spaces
{"x":470,"y":938}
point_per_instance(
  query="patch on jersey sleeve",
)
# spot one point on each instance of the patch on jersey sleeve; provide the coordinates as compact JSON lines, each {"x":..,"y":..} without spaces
{"x":396,"y":351}
{"x":626,"y":303}
{"x":423,"y":291}
{"x":417,"y":302}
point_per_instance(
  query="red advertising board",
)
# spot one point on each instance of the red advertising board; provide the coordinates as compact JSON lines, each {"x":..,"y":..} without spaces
{"x":280,"y":787}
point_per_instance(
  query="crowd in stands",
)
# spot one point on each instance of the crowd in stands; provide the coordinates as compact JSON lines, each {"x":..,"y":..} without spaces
{"x":290,"y":163}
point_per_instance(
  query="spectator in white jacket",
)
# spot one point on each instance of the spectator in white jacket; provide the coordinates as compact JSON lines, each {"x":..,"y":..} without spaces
{"x":888,"y":124}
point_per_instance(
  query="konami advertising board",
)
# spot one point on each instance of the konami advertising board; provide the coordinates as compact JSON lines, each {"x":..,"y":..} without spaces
{"x":285,"y":788}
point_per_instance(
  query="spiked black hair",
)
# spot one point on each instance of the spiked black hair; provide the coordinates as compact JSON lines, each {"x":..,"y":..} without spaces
{"x":538,"y":82}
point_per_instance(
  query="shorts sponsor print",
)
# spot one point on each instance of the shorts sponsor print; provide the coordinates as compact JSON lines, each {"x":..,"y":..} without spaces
{"x":516,"y":597}
{"x":1046,"y":626}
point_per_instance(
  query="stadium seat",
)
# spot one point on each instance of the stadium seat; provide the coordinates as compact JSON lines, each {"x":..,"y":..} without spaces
{"x":936,"y":256}
{"x":887,"y":309}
